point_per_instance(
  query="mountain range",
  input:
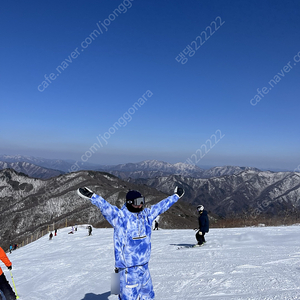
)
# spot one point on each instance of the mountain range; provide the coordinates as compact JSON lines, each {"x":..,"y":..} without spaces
{"x":47,"y":168}
{"x":29,"y":205}
{"x":33,"y":197}
{"x":154,"y":168}
{"x":249,"y":193}
{"x":30,"y":169}
{"x":63,"y":166}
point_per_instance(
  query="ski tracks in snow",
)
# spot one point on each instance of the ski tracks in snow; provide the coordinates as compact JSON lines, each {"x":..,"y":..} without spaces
{"x":234,"y":264}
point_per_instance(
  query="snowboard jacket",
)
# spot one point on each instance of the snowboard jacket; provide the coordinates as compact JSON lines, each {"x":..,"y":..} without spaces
{"x":132,"y":231}
{"x":203,"y":222}
{"x":4,"y":259}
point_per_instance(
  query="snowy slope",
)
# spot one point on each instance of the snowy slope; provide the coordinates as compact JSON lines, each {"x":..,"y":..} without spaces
{"x":241,"y":263}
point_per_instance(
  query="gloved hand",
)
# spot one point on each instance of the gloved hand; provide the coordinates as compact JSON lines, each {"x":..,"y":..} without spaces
{"x":9,"y":268}
{"x":200,"y":233}
{"x":179,"y":191}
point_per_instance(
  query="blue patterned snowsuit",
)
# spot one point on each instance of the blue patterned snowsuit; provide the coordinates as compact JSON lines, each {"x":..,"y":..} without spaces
{"x":132,"y":235}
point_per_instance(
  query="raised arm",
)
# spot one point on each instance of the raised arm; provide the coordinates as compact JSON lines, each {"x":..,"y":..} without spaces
{"x":165,"y":204}
{"x":109,"y":211}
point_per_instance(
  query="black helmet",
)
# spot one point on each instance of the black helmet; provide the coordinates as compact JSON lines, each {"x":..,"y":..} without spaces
{"x":134,"y":198}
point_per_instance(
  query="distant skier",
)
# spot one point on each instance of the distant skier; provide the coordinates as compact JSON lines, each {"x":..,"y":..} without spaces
{"x":4,"y":284}
{"x":50,"y":236}
{"x":203,"y":225}
{"x":155,"y":225}
{"x":55,"y":232}
{"x":90,"y":229}
{"x":132,"y":239}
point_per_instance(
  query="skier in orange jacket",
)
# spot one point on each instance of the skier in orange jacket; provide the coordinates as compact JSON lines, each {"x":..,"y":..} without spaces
{"x":4,"y":284}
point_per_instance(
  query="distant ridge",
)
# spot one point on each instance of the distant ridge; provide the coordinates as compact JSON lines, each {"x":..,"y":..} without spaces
{"x":30,"y":169}
{"x":143,"y":169}
{"x":53,"y":164}
{"x":154,"y":168}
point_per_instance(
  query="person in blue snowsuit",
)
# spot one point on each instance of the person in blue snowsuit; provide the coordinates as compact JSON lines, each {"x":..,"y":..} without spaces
{"x":132,"y":239}
{"x":203,"y":225}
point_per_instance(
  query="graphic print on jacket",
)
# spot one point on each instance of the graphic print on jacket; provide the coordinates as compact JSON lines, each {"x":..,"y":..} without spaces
{"x":132,"y":231}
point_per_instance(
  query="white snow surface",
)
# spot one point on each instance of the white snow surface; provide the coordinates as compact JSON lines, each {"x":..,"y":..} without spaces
{"x":239,"y":263}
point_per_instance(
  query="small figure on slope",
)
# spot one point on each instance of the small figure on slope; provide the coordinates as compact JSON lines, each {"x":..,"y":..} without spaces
{"x":203,"y":225}
{"x":72,"y":230}
{"x":155,"y":225}
{"x":132,"y":238}
{"x":90,"y":229}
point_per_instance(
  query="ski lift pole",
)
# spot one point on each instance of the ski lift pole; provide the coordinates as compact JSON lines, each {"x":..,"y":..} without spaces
{"x":17,"y":297}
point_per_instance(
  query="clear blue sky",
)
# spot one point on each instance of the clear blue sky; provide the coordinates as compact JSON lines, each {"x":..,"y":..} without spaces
{"x":64,"y":83}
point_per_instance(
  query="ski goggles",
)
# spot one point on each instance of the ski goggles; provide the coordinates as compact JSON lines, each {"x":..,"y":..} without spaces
{"x":137,"y":201}
{"x":200,"y":208}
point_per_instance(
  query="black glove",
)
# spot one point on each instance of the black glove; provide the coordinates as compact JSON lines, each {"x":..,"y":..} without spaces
{"x":9,"y":268}
{"x":179,"y":191}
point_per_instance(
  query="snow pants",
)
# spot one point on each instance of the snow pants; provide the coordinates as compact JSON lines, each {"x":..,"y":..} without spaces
{"x":6,"y":288}
{"x":136,"y":284}
{"x":200,"y":238}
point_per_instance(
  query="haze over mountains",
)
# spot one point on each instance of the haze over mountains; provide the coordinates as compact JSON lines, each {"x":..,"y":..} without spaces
{"x":47,"y":168}
{"x":55,"y":164}
{"x":153,"y":168}
{"x":30,"y":169}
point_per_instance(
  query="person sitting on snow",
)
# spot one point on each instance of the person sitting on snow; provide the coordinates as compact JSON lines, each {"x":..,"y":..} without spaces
{"x":203,"y":225}
{"x":4,"y":284}
{"x":132,"y":238}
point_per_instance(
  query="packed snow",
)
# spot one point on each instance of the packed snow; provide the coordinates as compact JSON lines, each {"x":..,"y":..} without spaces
{"x":259,"y":263}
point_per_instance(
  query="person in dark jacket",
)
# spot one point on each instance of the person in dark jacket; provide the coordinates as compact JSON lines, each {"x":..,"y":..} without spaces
{"x":90,"y":229}
{"x":155,"y":225}
{"x":203,"y":225}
